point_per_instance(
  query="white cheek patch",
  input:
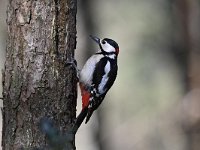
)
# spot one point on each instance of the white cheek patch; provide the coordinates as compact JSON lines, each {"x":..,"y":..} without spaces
{"x":108,"y":48}
{"x":104,"y":79}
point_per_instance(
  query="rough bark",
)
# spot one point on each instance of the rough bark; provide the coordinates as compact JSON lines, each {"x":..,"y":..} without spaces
{"x":36,"y":80}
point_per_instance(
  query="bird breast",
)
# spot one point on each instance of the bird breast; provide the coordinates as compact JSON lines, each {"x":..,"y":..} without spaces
{"x":86,"y":74}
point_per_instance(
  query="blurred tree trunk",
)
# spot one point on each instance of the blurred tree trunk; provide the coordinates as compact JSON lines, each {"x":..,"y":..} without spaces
{"x":192,"y":110}
{"x":36,"y":80}
{"x":188,"y":14}
{"x":194,"y":43}
{"x":181,"y":46}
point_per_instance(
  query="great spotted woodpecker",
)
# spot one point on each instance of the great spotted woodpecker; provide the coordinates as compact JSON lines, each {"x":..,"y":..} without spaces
{"x":98,"y":75}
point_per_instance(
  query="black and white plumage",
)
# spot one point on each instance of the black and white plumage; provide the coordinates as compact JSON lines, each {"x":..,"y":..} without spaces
{"x":98,"y":75}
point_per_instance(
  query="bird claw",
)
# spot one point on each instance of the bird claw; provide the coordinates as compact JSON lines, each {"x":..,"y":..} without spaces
{"x":73,"y":64}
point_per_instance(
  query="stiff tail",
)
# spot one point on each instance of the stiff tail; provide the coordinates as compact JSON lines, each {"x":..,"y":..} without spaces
{"x":89,"y":114}
{"x":80,"y":119}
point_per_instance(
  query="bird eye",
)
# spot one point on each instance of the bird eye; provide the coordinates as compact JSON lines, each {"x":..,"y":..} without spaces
{"x":103,"y":42}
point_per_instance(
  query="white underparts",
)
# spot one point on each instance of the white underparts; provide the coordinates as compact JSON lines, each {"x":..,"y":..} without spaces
{"x":86,"y":74}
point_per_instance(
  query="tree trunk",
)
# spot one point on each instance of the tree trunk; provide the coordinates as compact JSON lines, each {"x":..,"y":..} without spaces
{"x":37,"y":82}
{"x":188,"y":14}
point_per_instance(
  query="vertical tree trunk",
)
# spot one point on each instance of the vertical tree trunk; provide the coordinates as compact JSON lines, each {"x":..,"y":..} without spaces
{"x":193,"y":96}
{"x":36,"y":80}
{"x":188,"y":12}
{"x":180,"y":49}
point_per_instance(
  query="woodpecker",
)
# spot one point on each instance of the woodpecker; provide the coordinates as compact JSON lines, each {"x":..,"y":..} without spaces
{"x":98,"y":75}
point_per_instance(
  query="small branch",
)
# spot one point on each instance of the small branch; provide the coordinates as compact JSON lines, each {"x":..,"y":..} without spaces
{"x":1,"y":98}
{"x":73,"y":64}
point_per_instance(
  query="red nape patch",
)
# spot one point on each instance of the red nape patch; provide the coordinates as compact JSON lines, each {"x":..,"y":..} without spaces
{"x":117,"y":50}
{"x":85,"y":96}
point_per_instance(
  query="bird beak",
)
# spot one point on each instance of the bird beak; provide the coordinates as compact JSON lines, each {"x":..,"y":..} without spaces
{"x":96,"y":39}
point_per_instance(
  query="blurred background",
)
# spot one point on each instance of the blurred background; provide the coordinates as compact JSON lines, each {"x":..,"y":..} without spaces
{"x":155,"y":101}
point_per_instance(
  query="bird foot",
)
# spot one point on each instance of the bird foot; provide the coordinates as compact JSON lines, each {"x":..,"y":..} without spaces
{"x":73,"y":64}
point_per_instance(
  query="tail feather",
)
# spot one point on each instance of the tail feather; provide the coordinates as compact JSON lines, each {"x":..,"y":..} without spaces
{"x":82,"y":116}
{"x":80,"y":119}
{"x":89,"y":114}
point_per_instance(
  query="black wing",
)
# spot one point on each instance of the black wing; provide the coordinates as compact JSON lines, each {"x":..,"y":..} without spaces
{"x":99,"y":72}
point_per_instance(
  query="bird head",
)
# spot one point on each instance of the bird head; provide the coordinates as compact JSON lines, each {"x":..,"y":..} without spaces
{"x":107,"y":46}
